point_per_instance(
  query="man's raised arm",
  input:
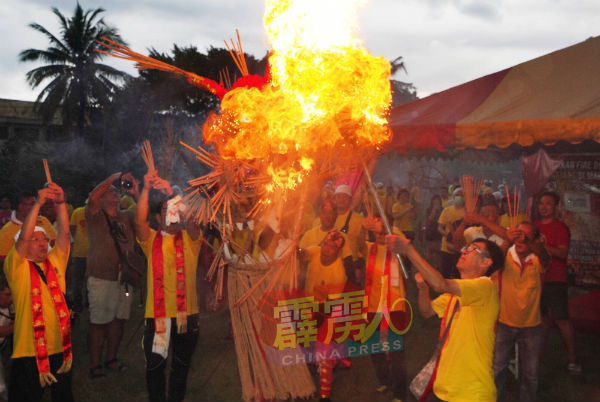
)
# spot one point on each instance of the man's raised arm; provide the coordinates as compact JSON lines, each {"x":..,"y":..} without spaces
{"x":98,"y":192}
{"x":63,"y":238}
{"x":141,"y":217}
{"x":431,"y":275}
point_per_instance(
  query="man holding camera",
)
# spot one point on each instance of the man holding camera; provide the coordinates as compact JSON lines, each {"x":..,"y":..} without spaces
{"x":112,"y":240}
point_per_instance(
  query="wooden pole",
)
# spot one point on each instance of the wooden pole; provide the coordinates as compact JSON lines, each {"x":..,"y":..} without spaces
{"x":386,"y":223}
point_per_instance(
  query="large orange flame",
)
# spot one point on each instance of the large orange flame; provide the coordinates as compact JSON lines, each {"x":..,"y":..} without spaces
{"x":326,"y":95}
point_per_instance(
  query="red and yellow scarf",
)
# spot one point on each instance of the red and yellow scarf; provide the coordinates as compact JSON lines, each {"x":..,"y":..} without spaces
{"x":39,"y":324}
{"x":158,"y":283}
{"x":386,"y":272}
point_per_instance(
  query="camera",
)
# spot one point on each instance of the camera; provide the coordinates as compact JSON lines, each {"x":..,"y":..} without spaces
{"x":125,"y":184}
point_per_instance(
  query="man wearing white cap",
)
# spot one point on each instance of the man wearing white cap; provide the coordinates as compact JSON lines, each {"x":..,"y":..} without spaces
{"x":350,"y":223}
{"x":42,"y":353}
{"x":9,"y":231}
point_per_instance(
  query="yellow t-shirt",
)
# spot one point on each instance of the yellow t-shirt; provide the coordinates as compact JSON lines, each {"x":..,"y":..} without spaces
{"x":324,"y":279}
{"x":81,"y":242}
{"x":448,"y":216}
{"x":520,"y":294}
{"x":396,"y":281}
{"x":128,"y":202}
{"x":355,"y":235}
{"x":10,"y":229}
{"x":191,"y":249}
{"x":315,"y":236}
{"x":405,"y":223}
{"x":18,"y":275}
{"x":465,"y":370}
{"x":505,"y":220}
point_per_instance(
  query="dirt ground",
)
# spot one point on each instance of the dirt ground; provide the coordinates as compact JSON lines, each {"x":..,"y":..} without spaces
{"x":214,"y":374}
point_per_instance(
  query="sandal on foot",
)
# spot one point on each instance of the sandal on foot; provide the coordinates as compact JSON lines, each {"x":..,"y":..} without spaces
{"x":116,"y":365}
{"x":97,"y":372}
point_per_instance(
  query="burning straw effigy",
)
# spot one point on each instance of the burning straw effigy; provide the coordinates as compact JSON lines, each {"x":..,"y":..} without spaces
{"x":319,"y":111}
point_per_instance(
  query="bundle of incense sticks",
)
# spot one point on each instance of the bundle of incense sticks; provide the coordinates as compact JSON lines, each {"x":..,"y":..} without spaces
{"x":225,"y":78}
{"x":471,"y":188}
{"x":238,"y":56}
{"x":514,"y":200}
{"x":147,"y":155}
{"x":47,"y":171}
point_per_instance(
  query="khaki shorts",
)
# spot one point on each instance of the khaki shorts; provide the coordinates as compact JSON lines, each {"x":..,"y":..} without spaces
{"x":108,"y":300}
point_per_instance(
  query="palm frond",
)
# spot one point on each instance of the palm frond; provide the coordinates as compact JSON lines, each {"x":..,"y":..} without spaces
{"x":51,"y":37}
{"x":63,"y":21}
{"x":50,"y":98}
{"x":51,"y":55}
{"x":36,"y":76}
{"x":111,"y":72}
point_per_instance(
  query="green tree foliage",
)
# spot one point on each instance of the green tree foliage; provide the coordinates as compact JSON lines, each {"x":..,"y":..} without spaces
{"x":77,"y":81}
{"x":402,"y":92}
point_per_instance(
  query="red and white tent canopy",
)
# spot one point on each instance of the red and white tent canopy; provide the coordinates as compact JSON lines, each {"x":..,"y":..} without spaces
{"x":551,"y":98}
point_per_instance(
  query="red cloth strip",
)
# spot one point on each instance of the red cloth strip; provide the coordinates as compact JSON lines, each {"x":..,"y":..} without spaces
{"x":37,"y":315}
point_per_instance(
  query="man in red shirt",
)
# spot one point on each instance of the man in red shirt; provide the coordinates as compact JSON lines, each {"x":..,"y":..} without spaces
{"x":554,"y":301}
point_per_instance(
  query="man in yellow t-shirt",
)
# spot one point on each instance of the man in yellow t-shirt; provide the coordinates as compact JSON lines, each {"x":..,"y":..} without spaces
{"x":78,"y":263}
{"x":171,"y":301}
{"x":447,"y":223}
{"x":8,"y":232}
{"x":349,"y":222}
{"x":28,"y":375}
{"x":326,"y":275}
{"x":464,"y":371}
{"x":316,"y":235}
{"x":404,"y":213}
{"x":520,"y":320}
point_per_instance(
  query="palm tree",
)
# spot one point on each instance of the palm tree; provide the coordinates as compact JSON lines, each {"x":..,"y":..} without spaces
{"x":78,"y":83}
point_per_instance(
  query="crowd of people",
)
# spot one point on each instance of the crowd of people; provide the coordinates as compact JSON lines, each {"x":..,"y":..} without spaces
{"x":501,"y":280}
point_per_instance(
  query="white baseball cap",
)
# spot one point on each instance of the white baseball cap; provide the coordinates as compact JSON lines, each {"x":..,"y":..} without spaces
{"x":343,"y":189}
{"x":37,"y":229}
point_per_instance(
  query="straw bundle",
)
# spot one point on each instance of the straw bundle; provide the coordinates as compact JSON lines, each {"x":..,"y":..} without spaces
{"x":514,"y":200}
{"x":261,"y":380}
{"x":471,"y":188}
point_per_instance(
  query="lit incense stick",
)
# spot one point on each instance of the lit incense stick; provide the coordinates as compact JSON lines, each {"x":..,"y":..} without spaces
{"x":147,"y":155}
{"x":47,"y":171}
